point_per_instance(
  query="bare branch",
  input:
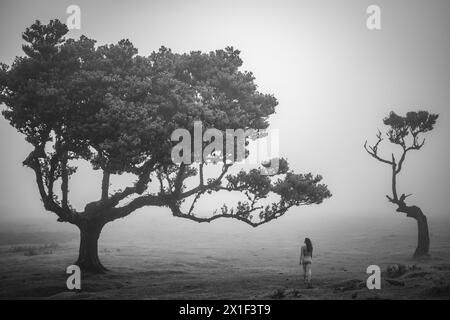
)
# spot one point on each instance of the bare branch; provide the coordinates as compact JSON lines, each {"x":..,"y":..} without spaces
{"x":139,"y":187}
{"x":105,"y":185}
{"x":65,"y":182}
{"x":142,"y":201}
{"x":415,"y":146}
{"x":51,"y":175}
{"x":374,"y":152}
{"x":210,"y":185}
{"x":201,"y":174}
{"x":63,"y":213}
{"x":178,"y":184}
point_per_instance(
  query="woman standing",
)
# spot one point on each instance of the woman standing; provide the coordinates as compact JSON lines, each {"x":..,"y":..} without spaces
{"x":306,"y":261}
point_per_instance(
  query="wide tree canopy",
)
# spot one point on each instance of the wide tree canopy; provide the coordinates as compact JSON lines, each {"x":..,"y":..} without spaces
{"x":74,"y":100}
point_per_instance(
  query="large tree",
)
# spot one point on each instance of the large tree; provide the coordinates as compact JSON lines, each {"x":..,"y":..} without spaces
{"x":75,"y":101}
{"x":406,"y":132}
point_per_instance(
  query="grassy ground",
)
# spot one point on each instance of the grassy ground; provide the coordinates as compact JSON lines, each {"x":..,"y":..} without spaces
{"x":262,"y":270}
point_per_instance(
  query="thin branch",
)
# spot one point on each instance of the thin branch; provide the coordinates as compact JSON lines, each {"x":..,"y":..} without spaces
{"x":373,"y":150}
{"x":52,"y":171}
{"x":201,"y":174}
{"x":65,"y":182}
{"x":142,"y":201}
{"x":415,"y":146}
{"x":139,"y":187}
{"x":64,"y":214}
{"x":213,"y":184}
{"x":178,"y":184}
{"x":241,"y":216}
{"x":394,"y":179}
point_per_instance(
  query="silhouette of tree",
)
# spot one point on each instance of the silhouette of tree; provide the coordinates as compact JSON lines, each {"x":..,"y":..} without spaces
{"x":406,"y":132}
{"x":75,"y":101}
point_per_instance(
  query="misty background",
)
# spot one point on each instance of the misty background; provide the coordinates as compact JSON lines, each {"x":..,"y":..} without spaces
{"x":335,"y":81}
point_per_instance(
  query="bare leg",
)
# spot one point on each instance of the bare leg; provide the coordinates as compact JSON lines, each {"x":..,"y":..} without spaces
{"x":308,"y":273}
{"x":304,"y":272}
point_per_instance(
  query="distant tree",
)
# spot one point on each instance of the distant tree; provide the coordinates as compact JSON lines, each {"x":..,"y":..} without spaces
{"x":406,"y":132}
{"x":115,"y":109}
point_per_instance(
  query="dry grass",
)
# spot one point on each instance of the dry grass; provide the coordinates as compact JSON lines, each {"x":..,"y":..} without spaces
{"x":33,"y":250}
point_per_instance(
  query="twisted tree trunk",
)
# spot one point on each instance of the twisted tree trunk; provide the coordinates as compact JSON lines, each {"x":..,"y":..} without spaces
{"x":423,"y":237}
{"x":88,"y":259}
{"x":423,"y":241}
{"x":401,"y":130}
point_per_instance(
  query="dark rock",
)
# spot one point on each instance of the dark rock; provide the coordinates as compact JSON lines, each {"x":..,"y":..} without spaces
{"x":277,"y":294}
{"x":442,"y":290}
{"x":416,"y":275}
{"x":414,"y":267}
{"x":395,"y":282}
{"x":348,"y":285}
{"x":293,"y":293}
{"x":396,"y":270}
{"x":442,"y":267}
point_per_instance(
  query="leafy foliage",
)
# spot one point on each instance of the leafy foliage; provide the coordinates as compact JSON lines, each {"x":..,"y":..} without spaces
{"x":116,"y":109}
{"x":413,"y":123}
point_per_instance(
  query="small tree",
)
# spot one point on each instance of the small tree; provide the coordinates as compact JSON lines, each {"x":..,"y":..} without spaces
{"x":117,"y":110}
{"x":406,"y":133}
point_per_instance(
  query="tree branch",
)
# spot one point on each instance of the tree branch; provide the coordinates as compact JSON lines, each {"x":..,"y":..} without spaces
{"x":373,"y":150}
{"x":51,"y":176}
{"x":142,"y":201}
{"x":65,"y":182}
{"x":110,"y":202}
{"x":63,"y":213}
{"x":105,"y":185}
{"x":415,"y":146}
{"x":241,"y":216}
{"x":210,"y":185}
{"x":394,"y":179}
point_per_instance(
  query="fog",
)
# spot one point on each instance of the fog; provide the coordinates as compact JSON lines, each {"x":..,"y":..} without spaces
{"x":334,"y":79}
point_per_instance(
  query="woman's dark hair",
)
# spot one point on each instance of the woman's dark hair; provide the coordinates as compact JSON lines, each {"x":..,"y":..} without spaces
{"x":309,"y":246}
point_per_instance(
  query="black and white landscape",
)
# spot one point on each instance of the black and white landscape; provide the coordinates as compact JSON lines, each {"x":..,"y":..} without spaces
{"x":185,"y":149}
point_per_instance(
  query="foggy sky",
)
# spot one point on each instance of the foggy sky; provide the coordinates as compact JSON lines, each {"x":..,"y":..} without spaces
{"x":334,"y":79}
